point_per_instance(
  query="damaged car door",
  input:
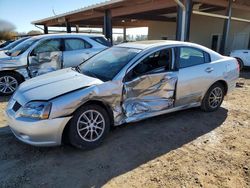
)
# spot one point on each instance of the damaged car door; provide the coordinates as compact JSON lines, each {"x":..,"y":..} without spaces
{"x":45,"y":57}
{"x":150,"y":85}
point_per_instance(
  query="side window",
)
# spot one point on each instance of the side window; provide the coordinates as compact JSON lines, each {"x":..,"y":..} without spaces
{"x":51,"y":45}
{"x":102,"y":41}
{"x":207,"y":57}
{"x":187,"y":57}
{"x":157,"y":62}
{"x":75,"y":44}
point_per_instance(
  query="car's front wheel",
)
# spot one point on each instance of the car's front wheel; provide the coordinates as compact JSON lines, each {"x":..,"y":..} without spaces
{"x":9,"y":82}
{"x":89,"y":126}
{"x":213,"y":98}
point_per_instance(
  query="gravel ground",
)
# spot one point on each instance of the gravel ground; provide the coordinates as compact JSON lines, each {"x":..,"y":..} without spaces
{"x":183,"y":149}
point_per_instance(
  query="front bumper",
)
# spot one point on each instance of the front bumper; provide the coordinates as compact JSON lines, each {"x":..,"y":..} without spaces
{"x":37,"y":132}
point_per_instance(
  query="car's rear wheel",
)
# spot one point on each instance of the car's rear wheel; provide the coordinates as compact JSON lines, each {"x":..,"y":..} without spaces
{"x":9,"y":82}
{"x":89,"y":126}
{"x":213,"y":98}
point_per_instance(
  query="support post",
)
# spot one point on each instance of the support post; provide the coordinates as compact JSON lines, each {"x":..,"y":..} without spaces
{"x":77,"y":28}
{"x":45,"y":29}
{"x":226,"y":28}
{"x":68,"y":27}
{"x":108,"y":26}
{"x":189,"y":8}
{"x":124,"y":34}
{"x":179,"y":23}
{"x":184,"y":12}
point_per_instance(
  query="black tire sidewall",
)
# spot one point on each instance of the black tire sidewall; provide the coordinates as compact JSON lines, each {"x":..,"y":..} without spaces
{"x":74,"y":137}
{"x":205,"y":102}
{"x":14,"y":75}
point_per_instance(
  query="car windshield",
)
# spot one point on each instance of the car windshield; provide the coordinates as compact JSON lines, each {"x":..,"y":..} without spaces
{"x":108,"y":63}
{"x":20,"y":48}
{"x":5,"y":43}
{"x":102,"y":41}
{"x":15,"y":43}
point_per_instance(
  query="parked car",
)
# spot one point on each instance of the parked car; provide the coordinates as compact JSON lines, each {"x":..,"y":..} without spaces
{"x":45,"y":53}
{"x":2,"y":45}
{"x":13,"y":44}
{"x":125,"y":83}
{"x":242,"y":56}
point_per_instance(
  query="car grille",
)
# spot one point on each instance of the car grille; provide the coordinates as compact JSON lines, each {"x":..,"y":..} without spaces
{"x":16,"y":106}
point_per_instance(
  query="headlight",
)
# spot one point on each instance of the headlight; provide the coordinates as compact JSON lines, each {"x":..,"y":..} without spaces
{"x":36,"y":110}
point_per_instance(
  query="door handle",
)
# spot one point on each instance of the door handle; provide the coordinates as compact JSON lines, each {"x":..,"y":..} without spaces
{"x":209,"y":69}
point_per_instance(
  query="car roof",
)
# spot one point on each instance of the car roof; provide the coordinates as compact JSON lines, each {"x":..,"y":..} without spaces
{"x":66,"y":34}
{"x":149,"y":44}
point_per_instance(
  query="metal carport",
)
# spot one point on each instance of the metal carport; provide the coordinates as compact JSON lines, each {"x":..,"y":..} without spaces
{"x":137,"y":13}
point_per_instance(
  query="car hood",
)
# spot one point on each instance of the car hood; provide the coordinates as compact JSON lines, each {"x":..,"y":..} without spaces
{"x":48,"y":86}
{"x":8,"y":60}
{"x":3,"y":56}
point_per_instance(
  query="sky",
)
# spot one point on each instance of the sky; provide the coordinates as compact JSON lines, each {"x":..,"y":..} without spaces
{"x":22,"y":12}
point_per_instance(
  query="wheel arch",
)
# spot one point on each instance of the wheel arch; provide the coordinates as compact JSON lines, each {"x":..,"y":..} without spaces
{"x":96,"y":102}
{"x":13,"y":72}
{"x":240,"y":60}
{"x":222,"y":82}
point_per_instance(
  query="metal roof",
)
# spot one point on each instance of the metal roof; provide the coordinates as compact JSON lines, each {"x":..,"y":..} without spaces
{"x":66,"y":34}
{"x":132,"y":12}
{"x":97,"y":5}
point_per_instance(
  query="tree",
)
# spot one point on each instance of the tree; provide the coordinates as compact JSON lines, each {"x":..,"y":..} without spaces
{"x":34,"y":32}
{"x":7,"y":30}
{"x":7,"y":35}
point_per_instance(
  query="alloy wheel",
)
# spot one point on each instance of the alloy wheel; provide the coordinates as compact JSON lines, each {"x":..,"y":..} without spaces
{"x":8,"y":84}
{"x":215,"y":97}
{"x":91,"y":125}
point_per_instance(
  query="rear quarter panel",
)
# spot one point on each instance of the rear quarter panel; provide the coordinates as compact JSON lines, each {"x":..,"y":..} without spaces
{"x":226,"y":69}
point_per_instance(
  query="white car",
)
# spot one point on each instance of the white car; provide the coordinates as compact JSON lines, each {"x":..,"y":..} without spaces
{"x":45,"y":53}
{"x":243,"y":57}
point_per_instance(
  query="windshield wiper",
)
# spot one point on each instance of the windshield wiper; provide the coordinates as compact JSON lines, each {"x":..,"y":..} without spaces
{"x":77,"y":68}
{"x":8,"y":53}
{"x":88,"y":73}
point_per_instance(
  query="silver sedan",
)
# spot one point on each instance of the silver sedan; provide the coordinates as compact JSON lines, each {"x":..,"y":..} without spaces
{"x":123,"y":84}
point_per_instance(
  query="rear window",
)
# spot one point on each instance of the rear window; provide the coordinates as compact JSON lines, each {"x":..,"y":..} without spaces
{"x":75,"y":44}
{"x":101,"y":40}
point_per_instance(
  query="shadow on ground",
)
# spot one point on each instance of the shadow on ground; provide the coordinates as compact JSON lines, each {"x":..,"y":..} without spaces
{"x":4,"y":99}
{"x":125,"y":148}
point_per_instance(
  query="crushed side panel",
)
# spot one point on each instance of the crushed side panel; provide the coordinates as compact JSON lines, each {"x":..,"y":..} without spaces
{"x":149,"y":93}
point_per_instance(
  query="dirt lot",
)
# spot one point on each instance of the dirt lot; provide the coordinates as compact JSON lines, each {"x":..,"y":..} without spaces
{"x":184,"y":149}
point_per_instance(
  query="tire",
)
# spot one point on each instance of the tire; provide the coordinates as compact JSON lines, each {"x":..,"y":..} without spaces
{"x":240,"y":62}
{"x":82,"y":125}
{"x":9,"y":82}
{"x":209,"y":103}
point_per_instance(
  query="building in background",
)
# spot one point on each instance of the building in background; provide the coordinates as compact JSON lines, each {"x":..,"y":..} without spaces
{"x":222,"y":25}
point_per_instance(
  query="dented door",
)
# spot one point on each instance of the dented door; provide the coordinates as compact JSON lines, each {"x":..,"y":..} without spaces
{"x":46,"y":57}
{"x":152,"y":91}
{"x":45,"y":62}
